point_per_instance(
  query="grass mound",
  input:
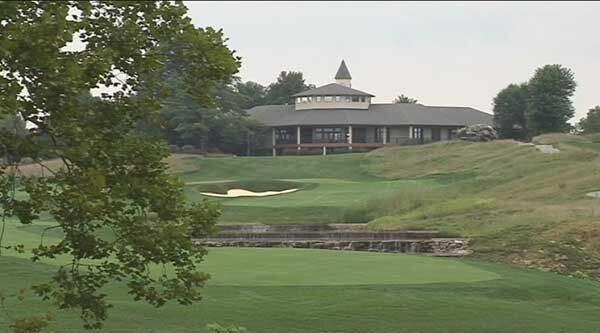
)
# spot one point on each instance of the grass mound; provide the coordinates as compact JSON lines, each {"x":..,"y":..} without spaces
{"x":252,"y":185}
{"x":519,"y":205}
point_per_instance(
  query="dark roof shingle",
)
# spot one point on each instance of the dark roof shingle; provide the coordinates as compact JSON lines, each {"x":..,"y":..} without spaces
{"x":343,"y":73}
{"x":376,"y":115}
{"x":332,"y":89}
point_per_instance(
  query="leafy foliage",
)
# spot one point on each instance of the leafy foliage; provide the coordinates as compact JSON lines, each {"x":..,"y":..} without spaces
{"x":225,"y":127}
{"x":222,"y":126}
{"x":510,"y":106}
{"x":287,"y":84}
{"x":549,"y":104}
{"x":591,"y":123}
{"x":114,"y":177}
{"x":402,"y":99}
{"x":252,"y":93}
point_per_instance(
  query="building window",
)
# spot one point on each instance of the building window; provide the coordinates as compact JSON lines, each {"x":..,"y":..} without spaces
{"x":363,"y":99}
{"x":328,"y":135}
{"x":328,"y":98}
{"x":348,"y":99}
{"x":298,"y":99}
{"x":417,"y":133}
{"x":338,"y":98}
{"x":309,"y":99}
{"x":285,"y":135}
{"x":318,"y":98}
{"x":355,"y":99}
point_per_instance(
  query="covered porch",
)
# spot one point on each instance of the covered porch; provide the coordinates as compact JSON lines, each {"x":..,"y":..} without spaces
{"x":298,"y":137}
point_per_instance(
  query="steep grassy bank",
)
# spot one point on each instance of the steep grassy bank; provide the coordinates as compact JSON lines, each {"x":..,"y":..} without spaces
{"x":518,"y":205}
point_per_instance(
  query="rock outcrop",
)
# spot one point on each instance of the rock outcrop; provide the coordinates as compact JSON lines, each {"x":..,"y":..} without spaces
{"x":477,"y":133}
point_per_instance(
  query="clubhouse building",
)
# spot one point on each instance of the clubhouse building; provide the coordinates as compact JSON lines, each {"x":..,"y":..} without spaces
{"x":337,"y":116}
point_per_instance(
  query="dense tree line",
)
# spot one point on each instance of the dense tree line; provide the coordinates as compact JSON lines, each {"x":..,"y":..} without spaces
{"x":222,"y":126}
{"x":541,"y":105}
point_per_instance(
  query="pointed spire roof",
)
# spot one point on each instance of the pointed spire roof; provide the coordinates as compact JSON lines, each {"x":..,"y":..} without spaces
{"x":343,"y":73}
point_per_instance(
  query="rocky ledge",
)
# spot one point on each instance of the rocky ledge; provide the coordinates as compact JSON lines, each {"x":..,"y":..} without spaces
{"x":336,"y":237}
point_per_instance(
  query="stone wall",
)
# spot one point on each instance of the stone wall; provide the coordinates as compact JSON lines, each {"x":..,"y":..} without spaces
{"x":350,"y":237}
{"x":442,"y":247}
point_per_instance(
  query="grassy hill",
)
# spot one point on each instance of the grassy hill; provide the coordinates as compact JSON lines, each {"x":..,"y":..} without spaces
{"x":517,"y":204}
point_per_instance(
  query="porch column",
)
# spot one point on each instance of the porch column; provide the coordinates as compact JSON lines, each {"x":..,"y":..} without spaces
{"x":350,"y":136}
{"x":384,"y":135}
{"x":273,"y":139}
{"x":298,"y":137}
{"x":410,"y":132}
{"x":324,"y":151}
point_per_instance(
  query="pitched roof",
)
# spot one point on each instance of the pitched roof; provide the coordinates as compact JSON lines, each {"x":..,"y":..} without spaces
{"x":376,"y":115}
{"x":331,"y":90}
{"x":343,"y":73}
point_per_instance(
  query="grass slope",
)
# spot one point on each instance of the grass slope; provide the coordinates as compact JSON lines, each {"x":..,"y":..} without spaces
{"x":287,"y":290}
{"x":329,"y":185}
{"x":519,"y":205}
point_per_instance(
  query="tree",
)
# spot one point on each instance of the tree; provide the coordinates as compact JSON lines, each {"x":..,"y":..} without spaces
{"x":253,"y":94}
{"x":287,"y":84}
{"x":113,"y":177}
{"x":549,"y":104}
{"x":510,"y":106}
{"x":12,"y":123}
{"x":591,"y":123}
{"x":401,"y":99}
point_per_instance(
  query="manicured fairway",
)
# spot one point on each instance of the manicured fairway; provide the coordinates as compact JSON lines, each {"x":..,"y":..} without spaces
{"x":304,"y":267}
{"x":306,"y":291}
{"x":365,"y":296}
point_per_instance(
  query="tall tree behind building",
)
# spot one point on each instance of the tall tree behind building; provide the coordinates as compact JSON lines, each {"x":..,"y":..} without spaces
{"x":287,"y":84}
{"x":549,"y":104}
{"x":510,"y":106}
{"x":402,"y":99}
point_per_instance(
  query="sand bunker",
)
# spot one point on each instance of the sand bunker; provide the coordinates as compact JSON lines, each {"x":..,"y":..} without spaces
{"x":236,"y":193}
{"x":594,"y":194}
{"x":547,"y":149}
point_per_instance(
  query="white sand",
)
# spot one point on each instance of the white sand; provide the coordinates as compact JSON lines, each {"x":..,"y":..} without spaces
{"x":594,"y":194}
{"x":547,"y":149}
{"x":236,"y":193}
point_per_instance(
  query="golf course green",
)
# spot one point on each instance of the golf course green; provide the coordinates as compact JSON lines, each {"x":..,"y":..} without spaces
{"x":467,"y":189}
{"x":295,"y":290}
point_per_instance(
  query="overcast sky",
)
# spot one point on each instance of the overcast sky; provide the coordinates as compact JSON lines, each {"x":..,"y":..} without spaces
{"x":455,"y":54}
